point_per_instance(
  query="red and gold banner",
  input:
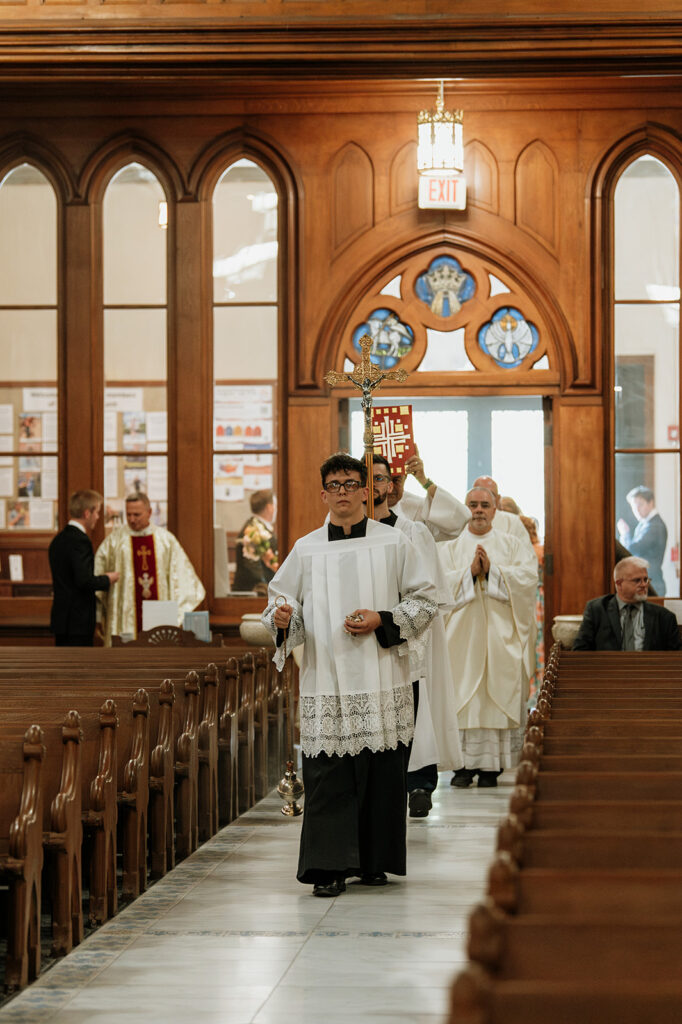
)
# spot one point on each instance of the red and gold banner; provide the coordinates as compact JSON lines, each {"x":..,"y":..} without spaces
{"x":144,"y":574}
{"x":393,"y":434}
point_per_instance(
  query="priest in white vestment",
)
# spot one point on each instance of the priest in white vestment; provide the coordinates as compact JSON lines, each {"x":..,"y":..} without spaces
{"x":354,"y":592}
{"x":436,"y":736}
{"x":493,"y":578}
{"x":152,"y":566}
{"x":508,"y":522}
{"x":443,"y":514}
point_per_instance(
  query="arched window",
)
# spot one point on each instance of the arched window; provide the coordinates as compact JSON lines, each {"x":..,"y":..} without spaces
{"x":28,"y":356}
{"x":135,"y":218}
{"x":646,"y":354}
{"x":245,"y":369}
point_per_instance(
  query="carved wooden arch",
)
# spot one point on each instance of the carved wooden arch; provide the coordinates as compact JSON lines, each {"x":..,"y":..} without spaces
{"x":334,"y":343}
{"x":26,"y":149}
{"x":240,"y":144}
{"x":118,"y":153}
{"x":483,"y":176}
{"x":660,"y":141}
{"x":536,"y":198}
{"x":351,"y":202}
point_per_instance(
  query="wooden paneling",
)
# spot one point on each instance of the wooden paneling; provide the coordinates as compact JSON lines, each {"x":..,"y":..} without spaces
{"x":342,"y":154}
{"x":579,"y":506}
{"x":311,"y":441}
{"x":537,"y":194}
{"x":352,"y":181}
{"x":482,"y":176}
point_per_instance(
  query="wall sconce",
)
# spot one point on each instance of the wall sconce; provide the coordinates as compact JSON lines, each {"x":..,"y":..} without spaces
{"x":163,"y":215}
{"x":440,"y":139}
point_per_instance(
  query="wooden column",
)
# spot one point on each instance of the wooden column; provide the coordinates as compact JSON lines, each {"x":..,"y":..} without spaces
{"x":81,"y":358}
{"x":189,"y":386}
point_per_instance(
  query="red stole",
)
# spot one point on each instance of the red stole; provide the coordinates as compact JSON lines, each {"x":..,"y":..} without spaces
{"x":144,"y":574}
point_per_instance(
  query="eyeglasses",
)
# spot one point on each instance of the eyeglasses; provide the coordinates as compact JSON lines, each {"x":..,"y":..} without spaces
{"x":379,"y":478}
{"x":334,"y":486}
{"x":636,"y":579}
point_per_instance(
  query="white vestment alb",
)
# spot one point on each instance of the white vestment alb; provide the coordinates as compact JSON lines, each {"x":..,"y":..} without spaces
{"x":508,"y":522}
{"x":355,"y":695}
{"x":177,"y":580}
{"x":443,"y":515}
{"x":436,"y":732}
{"x":487,"y":636}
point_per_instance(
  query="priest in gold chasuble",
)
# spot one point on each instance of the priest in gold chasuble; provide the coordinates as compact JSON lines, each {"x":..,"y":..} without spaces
{"x":153,"y":567}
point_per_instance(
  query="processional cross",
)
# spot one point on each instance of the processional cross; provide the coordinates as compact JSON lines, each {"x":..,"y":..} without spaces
{"x":367,"y":377}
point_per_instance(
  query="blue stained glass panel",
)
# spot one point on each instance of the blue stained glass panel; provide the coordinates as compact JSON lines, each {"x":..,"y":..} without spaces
{"x":444,"y":286}
{"x":508,"y":337}
{"x":391,"y":338}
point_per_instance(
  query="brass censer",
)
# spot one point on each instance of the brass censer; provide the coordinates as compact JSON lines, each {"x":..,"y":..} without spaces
{"x":290,"y":787}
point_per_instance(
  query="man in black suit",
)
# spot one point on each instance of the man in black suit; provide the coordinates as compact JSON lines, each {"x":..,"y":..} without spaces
{"x":650,"y":536}
{"x":626,"y":621}
{"x":72,"y":563}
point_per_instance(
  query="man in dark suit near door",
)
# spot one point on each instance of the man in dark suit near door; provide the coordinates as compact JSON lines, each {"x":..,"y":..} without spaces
{"x":72,"y":564}
{"x":626,"y":621}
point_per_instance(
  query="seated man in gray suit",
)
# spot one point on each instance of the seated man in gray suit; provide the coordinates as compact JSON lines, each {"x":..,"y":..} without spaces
{"x":626,"y":621}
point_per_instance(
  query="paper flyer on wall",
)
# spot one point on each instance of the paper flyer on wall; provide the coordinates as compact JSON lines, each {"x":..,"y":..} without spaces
{"x":49,"y":481}
{"x":157,"y":430}
{"x":29,"y":477}
{"x":228,"y":478}
{"x":110,"y":430}
{"x":123,"y":399}
{"x":157,"y":477}
{"x":39,"y":399}
{"x":6,"y":419}
{"x":110,"y":476}
{"x":134,"y":431}
{"x":42,"y":514}
{"x":30,"y":431}
{"x":18,"y":517}
{"x":7,"y":481}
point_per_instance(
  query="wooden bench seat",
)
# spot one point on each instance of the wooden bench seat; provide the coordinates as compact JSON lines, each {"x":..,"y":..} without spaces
{"x":477,"y":1000}
{"x":542,"y":946}
{"x":21,"y":851}
{"x":62,"y":827}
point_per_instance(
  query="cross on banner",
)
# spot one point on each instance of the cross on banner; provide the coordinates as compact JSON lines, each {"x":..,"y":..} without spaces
{"x":367,"y":377}
{"x":393,"y":434}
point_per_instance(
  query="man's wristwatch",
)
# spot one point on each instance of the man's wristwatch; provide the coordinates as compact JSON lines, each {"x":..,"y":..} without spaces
{"x":427,"y":483}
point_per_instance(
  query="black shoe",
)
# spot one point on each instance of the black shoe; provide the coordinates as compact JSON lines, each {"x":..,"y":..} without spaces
{"x":333,"y":888}
{"x":378,"y":879}
{"x":463,"y":777}
{"x":487,"y":780}
{"x":420,"y":803}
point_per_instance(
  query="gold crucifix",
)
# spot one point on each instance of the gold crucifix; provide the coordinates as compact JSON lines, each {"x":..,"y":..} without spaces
{"x":367,"y":377}
{"x":144,"y":551}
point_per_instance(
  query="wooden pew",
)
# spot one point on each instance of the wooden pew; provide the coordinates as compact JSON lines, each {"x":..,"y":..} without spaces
{"x":21,"y":851}
{"x":582,"y":918}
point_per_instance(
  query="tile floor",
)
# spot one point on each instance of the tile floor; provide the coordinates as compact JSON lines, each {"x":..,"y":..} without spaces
{"x":230,"y":936}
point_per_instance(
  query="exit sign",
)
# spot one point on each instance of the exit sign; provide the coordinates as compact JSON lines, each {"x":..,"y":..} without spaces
{"x":442,"y":192}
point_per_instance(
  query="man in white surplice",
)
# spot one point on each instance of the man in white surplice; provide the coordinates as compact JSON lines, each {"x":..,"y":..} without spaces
{"x":493,"y":578}
{"x":436,"y":733}
{"x":356,"y":594}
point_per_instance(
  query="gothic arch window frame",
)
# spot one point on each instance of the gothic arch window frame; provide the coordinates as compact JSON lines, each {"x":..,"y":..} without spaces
{"x":335,"y":344}
{"x":203,"y":179}
{"x":15,"y":152}
{"x":98,"y":174}
{"x":665,"y":146}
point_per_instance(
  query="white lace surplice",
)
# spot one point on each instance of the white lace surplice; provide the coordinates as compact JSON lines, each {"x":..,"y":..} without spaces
{"x":354,"y":693}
